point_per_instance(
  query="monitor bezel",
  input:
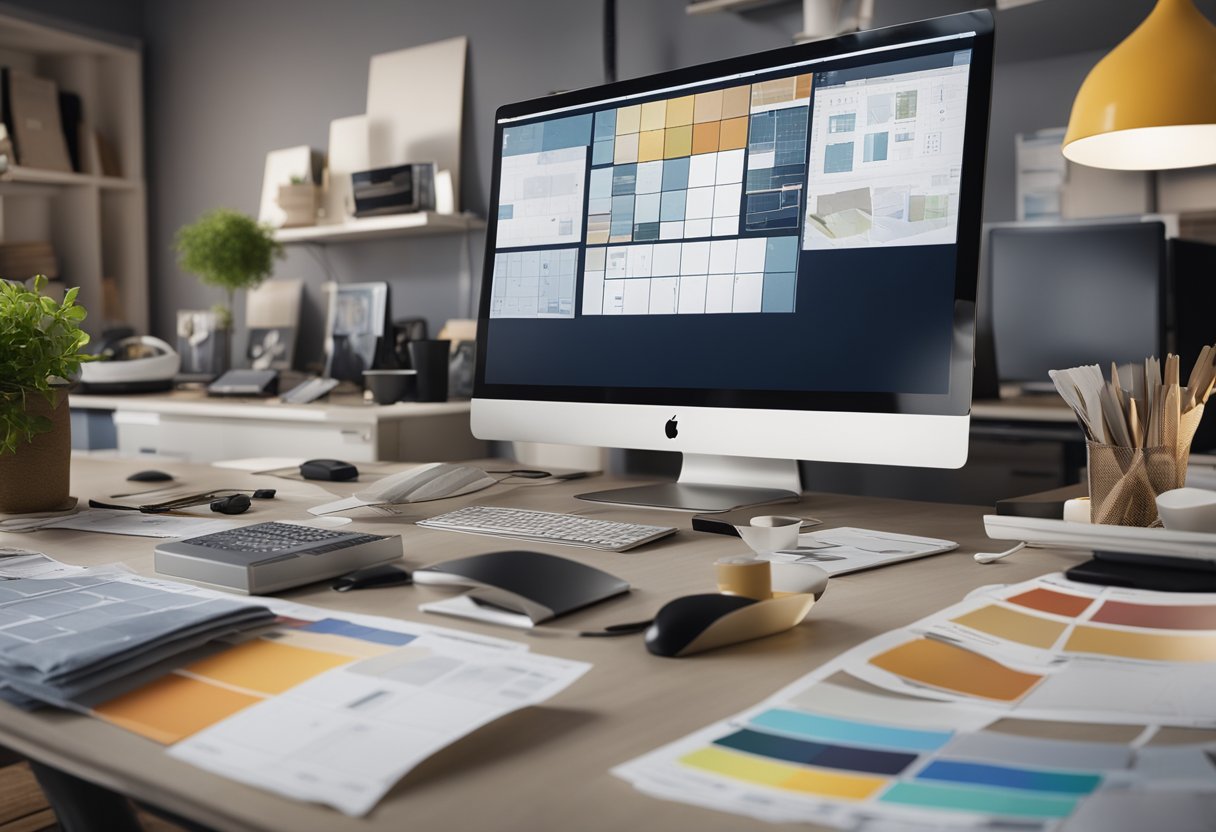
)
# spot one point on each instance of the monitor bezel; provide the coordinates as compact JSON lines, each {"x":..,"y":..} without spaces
{"x":955,"y":402}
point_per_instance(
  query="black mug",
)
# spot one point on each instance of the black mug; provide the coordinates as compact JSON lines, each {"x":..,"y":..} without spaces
{"x":430,"y":360}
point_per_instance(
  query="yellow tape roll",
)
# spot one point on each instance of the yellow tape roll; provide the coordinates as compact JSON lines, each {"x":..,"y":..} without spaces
{"x":745,"y":576}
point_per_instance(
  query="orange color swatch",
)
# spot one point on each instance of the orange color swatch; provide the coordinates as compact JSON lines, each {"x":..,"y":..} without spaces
{"x":173,"y":708}
{"x":1160,"y":647}
{"x":944,"y":666}
{"x":264,"y":666}
{"x":734,"y":134}
{"x":1057,"y":603}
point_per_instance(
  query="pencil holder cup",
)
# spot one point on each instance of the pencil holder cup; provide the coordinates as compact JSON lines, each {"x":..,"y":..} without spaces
{"x":1124,"y":482}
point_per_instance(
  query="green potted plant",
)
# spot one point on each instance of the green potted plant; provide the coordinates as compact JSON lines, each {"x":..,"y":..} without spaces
{"x":40,"y":343}
{"x":230,"y":250}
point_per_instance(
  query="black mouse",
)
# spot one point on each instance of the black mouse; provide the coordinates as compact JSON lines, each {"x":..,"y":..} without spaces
{"x":696,"y":623}
{"x":374,"y":576}
{"x":333,"y":470}
{"x":151,"y":475}
{"x":678,"y":624}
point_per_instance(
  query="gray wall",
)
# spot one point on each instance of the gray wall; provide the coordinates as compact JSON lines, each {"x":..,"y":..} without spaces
{"x":229,"y":80}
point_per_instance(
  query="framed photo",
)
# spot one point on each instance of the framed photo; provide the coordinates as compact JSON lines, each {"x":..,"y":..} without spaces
{"x":356,"y":329}
{"x":271,"y":348}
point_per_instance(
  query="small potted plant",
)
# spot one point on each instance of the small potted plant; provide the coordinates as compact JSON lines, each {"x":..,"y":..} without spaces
{"x":40,"y":343}
{"x":230,"y":250}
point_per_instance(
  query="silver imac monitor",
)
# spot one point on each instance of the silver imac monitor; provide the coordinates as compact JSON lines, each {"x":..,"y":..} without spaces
{"x":752,"y":262}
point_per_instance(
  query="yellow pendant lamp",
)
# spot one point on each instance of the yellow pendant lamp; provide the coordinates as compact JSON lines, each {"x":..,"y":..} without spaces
{"x":1151,"y":103}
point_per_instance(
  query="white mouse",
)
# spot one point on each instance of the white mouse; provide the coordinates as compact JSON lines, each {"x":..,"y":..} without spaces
{"x":427,"y":482}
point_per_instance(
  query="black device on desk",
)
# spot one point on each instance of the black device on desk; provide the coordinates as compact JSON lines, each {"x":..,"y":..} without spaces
{"x":328,"y":470}
{"x":245,"y":383}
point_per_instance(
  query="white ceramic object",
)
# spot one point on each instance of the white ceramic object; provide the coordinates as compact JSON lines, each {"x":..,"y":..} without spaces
{"x":1188,"y":510}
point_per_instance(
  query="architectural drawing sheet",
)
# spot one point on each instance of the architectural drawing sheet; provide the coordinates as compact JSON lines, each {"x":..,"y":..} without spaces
{"x":886,"y":159}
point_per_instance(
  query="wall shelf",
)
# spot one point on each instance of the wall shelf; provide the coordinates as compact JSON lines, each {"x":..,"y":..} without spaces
{"x":371,"y":228}
{"x":35,"y":176}
{"x":709,"y":6}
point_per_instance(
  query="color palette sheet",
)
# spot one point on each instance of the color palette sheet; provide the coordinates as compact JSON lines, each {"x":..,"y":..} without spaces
{"x":980,"y":728}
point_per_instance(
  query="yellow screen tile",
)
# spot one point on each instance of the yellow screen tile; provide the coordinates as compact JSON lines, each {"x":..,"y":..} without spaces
{"x":677,"y":142}
{"x":627,"y":119}
{"x":626,"y":150}
{"x":773,"y":92}
{"x":942,"y":665}
{"x":1013,"y":626}
{"x":734,"y":134}
{"x":679,"y":111}
{"x":802,"y":87}
{"x":654,"y":114}
{"x":173,"y":707}
{"x":735,"y":101}
{"x":707,"y":106}
{"x":264,"y":666}
{"x":705,"y":137}
{"x":1150,"y":646}
{"x":650,"y":146}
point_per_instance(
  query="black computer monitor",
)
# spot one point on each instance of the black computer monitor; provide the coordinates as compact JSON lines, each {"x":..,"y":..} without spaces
{"x":755,"y":261}
{"x":1073,"y":294}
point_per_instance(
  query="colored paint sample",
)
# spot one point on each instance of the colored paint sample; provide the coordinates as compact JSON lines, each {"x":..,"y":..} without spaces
{"x":677,"y":141}
{"x":733,"y":134}
{"x":1011,"y":625}
{"x":173,"y":708}
{"x":628,"y":119}
{"x":650,"y":146}
{"x":1007,"y":777}
{"x":654,"y":115}
{"x":705,"y":137}
{"x":1057,"y":603}
{"x":735,"y":101}
{"x":1155,"y":617}
{"x":679,"y":111}
{"x":945,"y":666}
{"x":1149,"y":646}
{"x":264,"y":666}
{"x":782,"y":776}
{"x":707,"y":106}
{"x":983,"y":800}
{"x":1036,"y":752}
{"x":802,"y":86}
{"x":867,"y":760}
{"x":372,"y":634}
{"x":830,"y":729}
{"x":777,"y":91}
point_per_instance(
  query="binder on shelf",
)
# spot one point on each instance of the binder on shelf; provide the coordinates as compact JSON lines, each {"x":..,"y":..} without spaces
{"x":31,"y":111}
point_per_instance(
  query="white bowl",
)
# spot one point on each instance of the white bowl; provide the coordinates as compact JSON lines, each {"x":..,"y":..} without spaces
{"x":1188,"y":510}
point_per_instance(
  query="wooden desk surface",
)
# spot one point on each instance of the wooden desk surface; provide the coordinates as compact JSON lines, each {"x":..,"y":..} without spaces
{"x":546,"y":767}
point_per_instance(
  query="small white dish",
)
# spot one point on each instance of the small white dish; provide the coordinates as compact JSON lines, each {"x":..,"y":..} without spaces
{"x":1188,"y":510}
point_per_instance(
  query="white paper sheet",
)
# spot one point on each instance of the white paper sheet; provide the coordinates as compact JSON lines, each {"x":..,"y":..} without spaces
{"x":345,"y":737}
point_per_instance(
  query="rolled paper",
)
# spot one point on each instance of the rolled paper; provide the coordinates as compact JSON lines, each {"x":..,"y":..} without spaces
{"x":745,"y":576}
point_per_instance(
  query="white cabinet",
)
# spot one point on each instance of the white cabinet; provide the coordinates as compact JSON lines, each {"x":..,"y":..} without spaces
{"x":97,"y":224}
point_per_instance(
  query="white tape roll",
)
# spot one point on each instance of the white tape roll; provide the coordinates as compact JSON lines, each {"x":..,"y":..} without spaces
{"x":1077,"y":510}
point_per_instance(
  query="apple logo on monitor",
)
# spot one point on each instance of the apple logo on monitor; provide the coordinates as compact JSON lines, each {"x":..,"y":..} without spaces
{"x":671,"y":428}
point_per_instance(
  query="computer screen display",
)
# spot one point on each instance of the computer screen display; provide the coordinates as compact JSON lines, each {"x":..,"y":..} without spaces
{"x":790,"y":232}
{"x":1063,"y":296}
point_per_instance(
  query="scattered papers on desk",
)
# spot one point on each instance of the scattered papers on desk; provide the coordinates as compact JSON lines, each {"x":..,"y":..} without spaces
{"x":1019,"y":706}
{"x":22,"y":563}
{"x":336,"y":708}
{"x":842,"y":550}
{"x":134,"y":523}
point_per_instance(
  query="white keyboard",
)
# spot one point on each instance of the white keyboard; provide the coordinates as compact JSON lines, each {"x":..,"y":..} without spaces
{"x":547,"y":527}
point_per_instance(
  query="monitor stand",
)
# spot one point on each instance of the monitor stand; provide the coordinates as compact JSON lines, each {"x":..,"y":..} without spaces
{"x":710,"y":483}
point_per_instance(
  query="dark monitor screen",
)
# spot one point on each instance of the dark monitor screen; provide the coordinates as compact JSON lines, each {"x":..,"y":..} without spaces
{"x":793,"y":230}
{"x":1068,"y":295}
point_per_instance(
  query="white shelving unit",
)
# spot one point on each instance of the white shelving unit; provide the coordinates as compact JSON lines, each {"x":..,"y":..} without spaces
{"x":371,"y":228}
{"x":97,"y":224}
